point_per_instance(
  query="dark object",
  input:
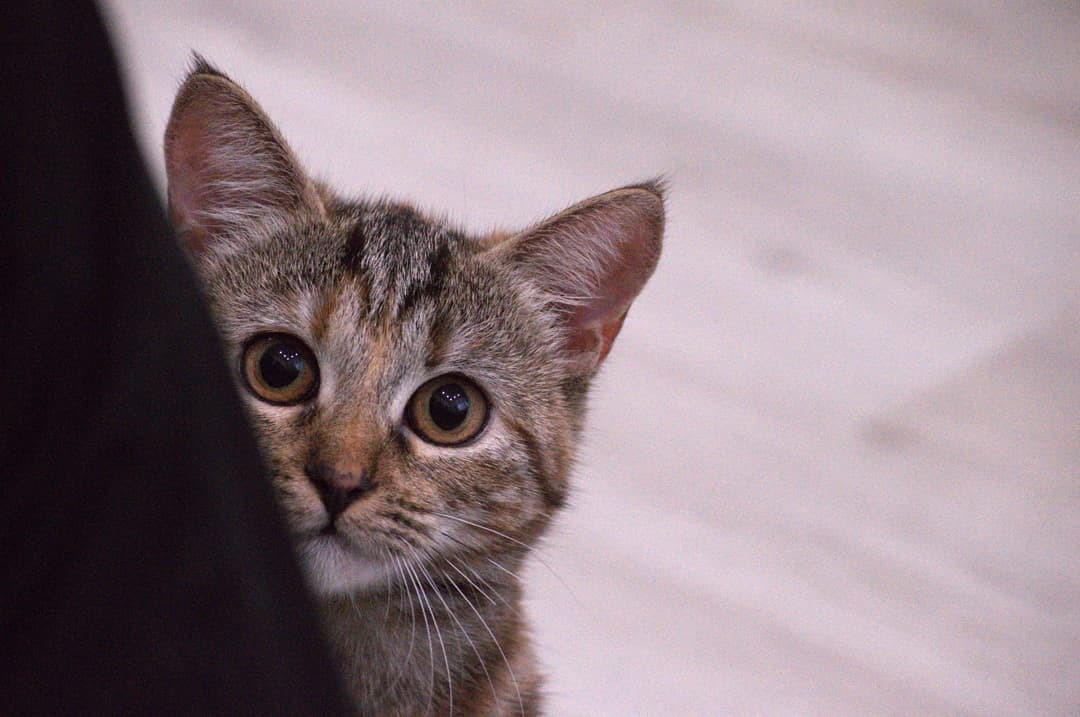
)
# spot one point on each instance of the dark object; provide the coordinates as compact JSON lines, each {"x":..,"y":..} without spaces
{"x":449,"y":406}
{"x":144,"y":569}
{"x":280,"y":369}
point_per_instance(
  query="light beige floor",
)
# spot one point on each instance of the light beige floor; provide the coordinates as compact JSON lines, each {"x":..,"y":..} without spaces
{"x":834,"y":461}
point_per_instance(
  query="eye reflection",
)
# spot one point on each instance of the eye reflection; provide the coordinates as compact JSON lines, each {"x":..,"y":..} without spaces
{"x":447,"y":411}
{"x":279,"y":369}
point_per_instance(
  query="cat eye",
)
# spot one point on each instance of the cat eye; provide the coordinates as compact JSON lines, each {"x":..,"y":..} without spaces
{"x":448,"y":411}
{"x":279,"y":369}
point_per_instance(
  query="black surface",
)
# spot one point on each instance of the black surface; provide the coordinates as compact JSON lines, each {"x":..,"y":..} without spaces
{"x":144,"y":567}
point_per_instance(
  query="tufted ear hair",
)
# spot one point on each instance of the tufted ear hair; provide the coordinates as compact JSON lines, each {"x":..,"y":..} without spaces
{"x":227,"y":164}
{"x":590,"y":262}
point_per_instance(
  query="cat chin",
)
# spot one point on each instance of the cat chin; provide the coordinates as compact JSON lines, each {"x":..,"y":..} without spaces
{"x":333,"y":568}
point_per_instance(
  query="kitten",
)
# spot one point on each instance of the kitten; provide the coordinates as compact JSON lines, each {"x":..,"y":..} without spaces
{"x":417,"y":392}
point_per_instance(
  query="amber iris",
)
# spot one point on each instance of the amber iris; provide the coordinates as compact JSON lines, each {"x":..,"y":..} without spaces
{"x":279,"y":369}
{"x":448,"y":411}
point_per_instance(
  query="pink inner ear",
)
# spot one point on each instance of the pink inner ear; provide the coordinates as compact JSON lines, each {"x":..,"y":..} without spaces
{"x":185,"y":162}
{"x":598,"y":254}
{"x":594,"y":339}
{"x":227,"y":164}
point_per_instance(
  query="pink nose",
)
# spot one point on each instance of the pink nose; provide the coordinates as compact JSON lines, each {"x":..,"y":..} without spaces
{"x":338,"y":489}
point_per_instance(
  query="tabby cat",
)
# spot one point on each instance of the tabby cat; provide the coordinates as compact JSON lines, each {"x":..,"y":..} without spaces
{"x":417,"y":392}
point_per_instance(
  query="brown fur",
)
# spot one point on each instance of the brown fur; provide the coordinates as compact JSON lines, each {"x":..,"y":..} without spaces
{"x":418,"y":577}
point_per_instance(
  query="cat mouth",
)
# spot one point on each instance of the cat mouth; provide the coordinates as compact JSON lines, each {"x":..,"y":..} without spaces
{"x":328,"y":531}
{"x":330,"y":535}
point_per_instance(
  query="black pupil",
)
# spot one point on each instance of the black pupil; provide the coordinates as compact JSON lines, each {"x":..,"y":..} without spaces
{"x":448,"y":406}
{"x":280,"y":365}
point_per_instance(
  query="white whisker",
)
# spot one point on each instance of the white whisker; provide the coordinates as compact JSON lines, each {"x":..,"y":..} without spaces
{"x":535,"y":553}
{"x":404,"y":666}
{"x":509,"y":669}
{"x":461,"y":628}
{"x":427,"y":629}
{"x":386,"y":559}
{"x":476,"y":587}
{"x":438,"y":633}
{"x":482,"y":527}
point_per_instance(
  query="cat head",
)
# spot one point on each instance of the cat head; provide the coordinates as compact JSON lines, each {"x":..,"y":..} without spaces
{"x":417,"y":392}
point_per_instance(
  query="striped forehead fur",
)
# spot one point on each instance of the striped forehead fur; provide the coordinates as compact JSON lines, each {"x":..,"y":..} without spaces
{"x":416,"y":280}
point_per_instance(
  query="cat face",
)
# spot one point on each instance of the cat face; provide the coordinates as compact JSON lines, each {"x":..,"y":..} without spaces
{"x":417,"y":392}
{"x":400,"y":385}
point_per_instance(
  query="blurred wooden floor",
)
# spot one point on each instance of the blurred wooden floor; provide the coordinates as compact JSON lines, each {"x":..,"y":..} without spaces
{"x":834,"y":460}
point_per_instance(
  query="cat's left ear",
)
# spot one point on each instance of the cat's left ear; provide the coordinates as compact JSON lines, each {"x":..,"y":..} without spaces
{"x":228,"y":166}
{"x":589,"y":263}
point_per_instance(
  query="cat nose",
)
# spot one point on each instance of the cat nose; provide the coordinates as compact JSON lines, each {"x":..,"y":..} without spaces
{"x":338,"y":489}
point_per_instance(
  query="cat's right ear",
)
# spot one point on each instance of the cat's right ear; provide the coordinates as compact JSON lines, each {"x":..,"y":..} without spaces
{"x":228,"y":166}
{"x":589,"y":263}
